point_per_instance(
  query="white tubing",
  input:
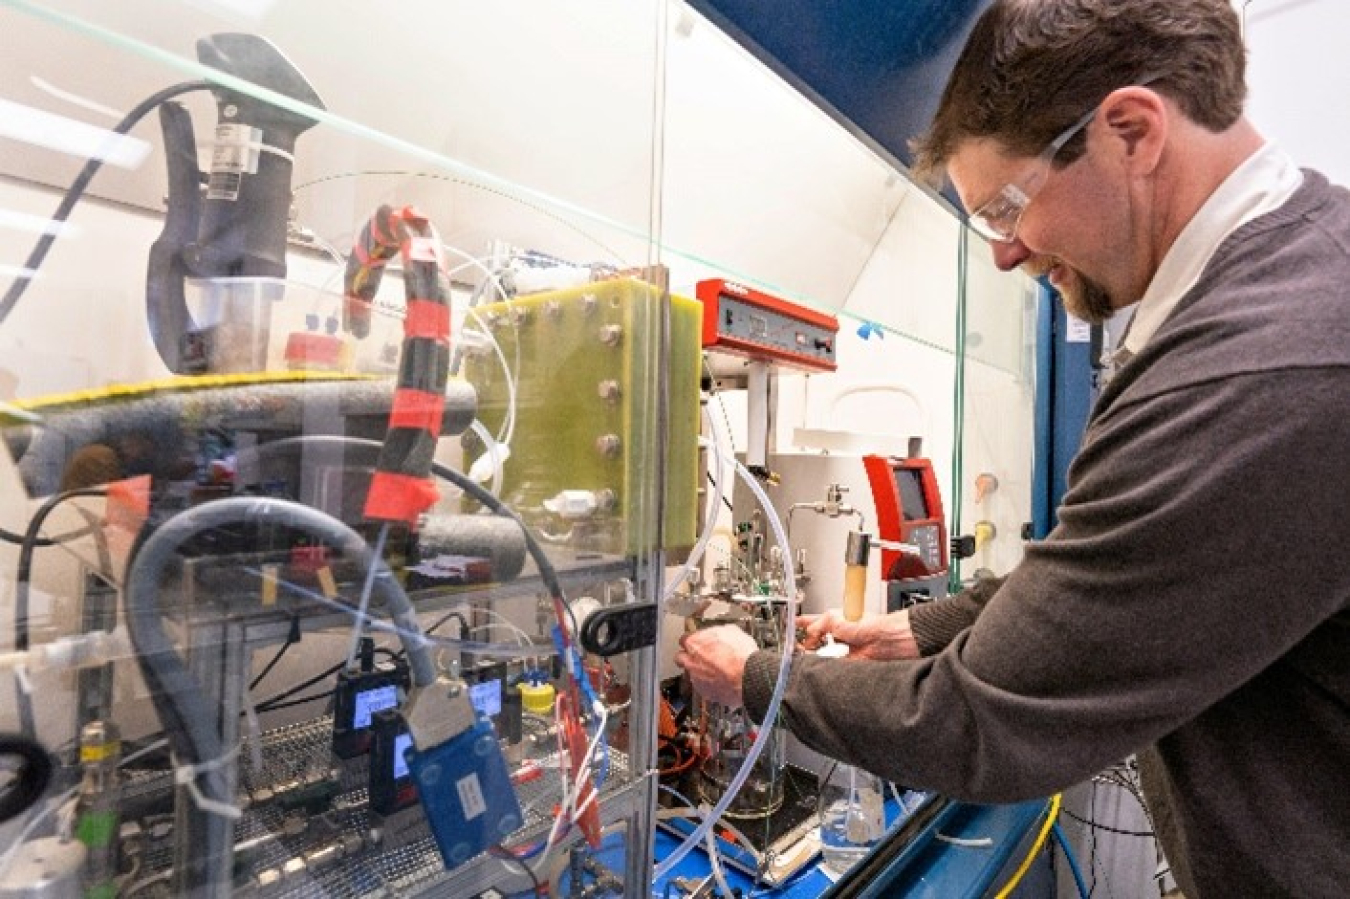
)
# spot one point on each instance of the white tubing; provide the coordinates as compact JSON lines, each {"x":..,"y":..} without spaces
{"x":766,"y":727}
{"x":377,"y":555}
{"x":715,"y":859}
{"x":509,"y":425}
{"x":714,"y":508}
{"x":474,"y":262}
{"x":494,"y":452}
{"x":885,"y":387}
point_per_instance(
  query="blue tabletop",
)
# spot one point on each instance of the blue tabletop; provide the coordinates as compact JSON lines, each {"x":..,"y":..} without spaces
{"x":992,"y":840}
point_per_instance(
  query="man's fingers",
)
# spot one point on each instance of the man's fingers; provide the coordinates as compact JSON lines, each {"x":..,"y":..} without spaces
{"x":820,"y":624}
{"x":847,"y":631}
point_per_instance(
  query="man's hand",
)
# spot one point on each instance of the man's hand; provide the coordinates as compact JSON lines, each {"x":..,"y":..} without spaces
{"x":874,"y":637}
{"x":715,"y":660}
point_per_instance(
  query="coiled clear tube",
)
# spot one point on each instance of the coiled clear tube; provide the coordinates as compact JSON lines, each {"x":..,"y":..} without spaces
{"x":771,"y":713}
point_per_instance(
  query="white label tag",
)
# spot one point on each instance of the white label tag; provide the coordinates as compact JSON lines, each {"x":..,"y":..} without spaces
{"x":471,"y":796}
{"x":1078,"y":331}
{"x":237,"y":149}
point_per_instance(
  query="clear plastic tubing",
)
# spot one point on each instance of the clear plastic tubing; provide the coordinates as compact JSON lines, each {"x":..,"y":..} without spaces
{"x":766,"y":727}
{"x":714,"y":508}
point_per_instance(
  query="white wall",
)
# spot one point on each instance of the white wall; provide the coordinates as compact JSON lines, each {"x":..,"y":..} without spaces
{"x":1298,"y":72}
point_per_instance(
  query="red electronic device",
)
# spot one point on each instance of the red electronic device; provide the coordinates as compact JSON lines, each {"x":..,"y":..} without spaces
{"x":746,"y":322}
{"x":909,"y":510}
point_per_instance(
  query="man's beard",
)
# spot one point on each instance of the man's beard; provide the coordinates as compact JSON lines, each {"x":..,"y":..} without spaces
{"x":1085,"y":299}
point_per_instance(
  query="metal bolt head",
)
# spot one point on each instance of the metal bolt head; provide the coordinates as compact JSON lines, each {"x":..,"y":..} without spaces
{"x":229,"y":111}
{"x":609,"y":446}
{"x":553,"y":309}
{"x":610,"y":335}
{"x":610,"y":391}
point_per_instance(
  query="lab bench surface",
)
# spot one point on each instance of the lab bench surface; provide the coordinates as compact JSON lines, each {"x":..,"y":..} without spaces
{"x":965,"y":851}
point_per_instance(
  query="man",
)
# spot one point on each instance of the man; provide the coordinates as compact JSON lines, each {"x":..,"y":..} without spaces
{"x":1193,"y":603}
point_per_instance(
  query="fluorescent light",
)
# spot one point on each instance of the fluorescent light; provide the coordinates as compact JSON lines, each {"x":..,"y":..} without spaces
{"x":54,"y":132}
{"x":36,"y":224}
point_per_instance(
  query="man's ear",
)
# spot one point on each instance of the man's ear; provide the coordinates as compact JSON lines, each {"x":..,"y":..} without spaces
{"x":1137,"y":118}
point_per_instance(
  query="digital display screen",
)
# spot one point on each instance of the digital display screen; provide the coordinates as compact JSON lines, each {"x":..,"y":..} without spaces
{"x":909,"y":481}
{"x":368,"y":702}
{"x":487,"y":697}
{"x":401,"y":744}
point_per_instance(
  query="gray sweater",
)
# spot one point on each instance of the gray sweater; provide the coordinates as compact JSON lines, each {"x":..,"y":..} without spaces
{"x":1192,"y":605}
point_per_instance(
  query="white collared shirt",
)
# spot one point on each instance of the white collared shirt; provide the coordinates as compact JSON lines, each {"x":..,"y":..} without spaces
{"x":1259,"y":185}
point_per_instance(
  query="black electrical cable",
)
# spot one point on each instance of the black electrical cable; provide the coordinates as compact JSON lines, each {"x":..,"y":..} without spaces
{"x":267,"y":669}
{"x":507,"y":855}
{"x":1124,"y":778}
{"x":726,"y":502}
{"x":1092,"y":859}
{"x":80,"y":185}
{"x":44,"y":542}
{"x":290,"y":691}
{"x":31,"y":777}
{"x":463,"y":625}
{"x":290,"y":703}
{"x":824,"y":783}
{"x":22,"y":578}
{"x":435,"y":625}
{"x":25,"y":567}
{"x":1103,"y":827}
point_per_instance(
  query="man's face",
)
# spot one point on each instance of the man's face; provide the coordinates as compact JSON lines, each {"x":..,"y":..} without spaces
{"x":1064,"y":232}
{"x":1083,"y":297}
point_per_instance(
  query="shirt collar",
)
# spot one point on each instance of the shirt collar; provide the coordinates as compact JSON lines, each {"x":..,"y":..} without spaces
{"x":1259,"y":185}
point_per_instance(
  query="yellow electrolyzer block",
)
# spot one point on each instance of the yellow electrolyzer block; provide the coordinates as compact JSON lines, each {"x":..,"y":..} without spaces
{"x":588,"y":380}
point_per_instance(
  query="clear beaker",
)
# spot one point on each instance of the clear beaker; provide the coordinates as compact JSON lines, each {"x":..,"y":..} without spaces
{"x":852,"y":817}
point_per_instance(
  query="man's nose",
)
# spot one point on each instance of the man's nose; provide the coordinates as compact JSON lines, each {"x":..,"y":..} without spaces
{"x":1009,"y":254}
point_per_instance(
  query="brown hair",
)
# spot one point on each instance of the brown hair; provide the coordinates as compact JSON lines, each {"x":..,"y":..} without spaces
{"x":1030,"y":68}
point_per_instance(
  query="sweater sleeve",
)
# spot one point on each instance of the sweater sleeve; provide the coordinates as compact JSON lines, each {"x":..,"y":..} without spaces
{"x":935,"y":624}
{"x":1140,"y":611}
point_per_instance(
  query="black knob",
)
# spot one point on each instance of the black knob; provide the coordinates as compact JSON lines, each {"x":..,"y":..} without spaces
{"x":963,"y":546}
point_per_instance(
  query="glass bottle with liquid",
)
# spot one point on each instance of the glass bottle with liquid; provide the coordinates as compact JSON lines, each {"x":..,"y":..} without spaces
{"x":855,"y":574}
{"x":852,"y":817}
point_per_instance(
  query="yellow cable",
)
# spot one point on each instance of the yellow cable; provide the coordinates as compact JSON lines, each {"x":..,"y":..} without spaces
{"x":1035,"y":848}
